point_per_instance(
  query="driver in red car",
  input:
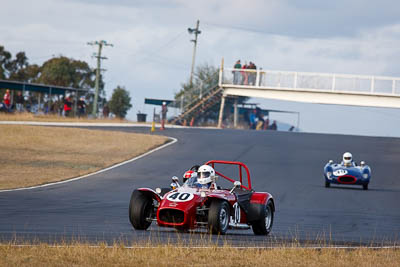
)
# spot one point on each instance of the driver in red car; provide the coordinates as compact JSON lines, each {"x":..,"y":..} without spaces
{"x":200,"y":177}
{"x":206,"y":177}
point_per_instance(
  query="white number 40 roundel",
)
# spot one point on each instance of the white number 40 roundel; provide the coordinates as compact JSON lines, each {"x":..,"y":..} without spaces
{"x":180,"y":197}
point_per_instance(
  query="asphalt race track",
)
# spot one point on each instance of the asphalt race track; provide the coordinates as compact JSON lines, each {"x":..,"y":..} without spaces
{"x":288,"y":165}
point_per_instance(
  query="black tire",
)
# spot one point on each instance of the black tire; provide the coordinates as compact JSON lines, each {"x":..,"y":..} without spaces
{"x":264,"y":225}
{"x":365,"y":186}
{"x":140,"y":208}
{"x":218,"y":217}
{"x":327,"y":184}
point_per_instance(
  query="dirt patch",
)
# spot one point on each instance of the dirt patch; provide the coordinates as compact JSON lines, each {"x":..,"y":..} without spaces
{"x":33,"y":155}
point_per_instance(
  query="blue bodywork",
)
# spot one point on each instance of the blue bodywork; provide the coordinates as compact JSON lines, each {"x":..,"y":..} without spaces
{"x":354,"y":175}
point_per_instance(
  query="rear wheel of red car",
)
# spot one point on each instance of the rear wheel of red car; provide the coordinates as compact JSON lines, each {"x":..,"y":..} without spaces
{"x":365,"y":186}
{"x":264,"y":225}
{"x":218,"y":217}
{"x":140,"y":210}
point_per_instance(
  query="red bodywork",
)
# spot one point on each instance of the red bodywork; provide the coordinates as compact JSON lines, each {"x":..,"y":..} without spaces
{"x":188,"y":209}
{"x":180,"y":207}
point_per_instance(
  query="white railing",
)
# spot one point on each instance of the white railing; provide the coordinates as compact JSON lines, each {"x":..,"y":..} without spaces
{"x":270,"y":79}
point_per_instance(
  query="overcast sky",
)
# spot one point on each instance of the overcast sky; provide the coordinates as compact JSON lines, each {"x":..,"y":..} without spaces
{"x":152,"y":51}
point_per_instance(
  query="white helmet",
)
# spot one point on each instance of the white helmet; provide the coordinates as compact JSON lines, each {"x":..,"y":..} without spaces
{"x":347,"y":158}
{"x":206,"y":174}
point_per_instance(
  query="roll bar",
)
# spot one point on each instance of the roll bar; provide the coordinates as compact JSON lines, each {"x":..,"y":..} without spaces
{"x":239,"y":164}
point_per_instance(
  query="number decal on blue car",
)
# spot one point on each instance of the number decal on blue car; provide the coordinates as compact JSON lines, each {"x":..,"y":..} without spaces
{"x":339,"y":172}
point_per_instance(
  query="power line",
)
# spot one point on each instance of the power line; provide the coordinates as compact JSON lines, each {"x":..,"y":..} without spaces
{"x":163,"y":46}
{"x":241,"y":28}
{"x":330,"y":40}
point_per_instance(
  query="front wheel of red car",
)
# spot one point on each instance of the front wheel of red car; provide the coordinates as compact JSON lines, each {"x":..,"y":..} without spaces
{"x":264,"y":225}
{"x":140,"y":210}
{"x":218,"y":217}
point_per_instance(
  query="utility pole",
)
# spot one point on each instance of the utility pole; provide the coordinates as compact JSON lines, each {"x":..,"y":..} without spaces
{"x":196,"y":32}
{"x":100,"y":43}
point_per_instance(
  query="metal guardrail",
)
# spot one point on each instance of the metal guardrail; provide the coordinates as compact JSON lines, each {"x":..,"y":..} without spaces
{"x":298,"y":81}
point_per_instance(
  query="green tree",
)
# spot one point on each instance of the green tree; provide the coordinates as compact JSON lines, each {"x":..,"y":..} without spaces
{"x":17,"y":69}
{"x":63,"y":71}
{"x":17,"y":66}
{"x":28,"y":74}
{"x":5,"y":58}
{"x":119,"y":103}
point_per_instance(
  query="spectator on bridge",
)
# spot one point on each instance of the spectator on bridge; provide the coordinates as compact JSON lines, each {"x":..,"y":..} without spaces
{"x":81,"y":107}
{"x":236,"y":74}
{"x":252,"y":75}
{"x":245,"y":74}
{"x":7,"y":100}
{"x":20,"y":102}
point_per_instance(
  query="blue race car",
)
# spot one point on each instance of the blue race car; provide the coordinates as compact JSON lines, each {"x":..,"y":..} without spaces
{"x":347,"y":172}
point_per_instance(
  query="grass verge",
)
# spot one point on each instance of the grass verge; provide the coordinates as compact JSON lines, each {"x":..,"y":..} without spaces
{"x":25,"y":116}
{"x":168,"y":255}
{"x":33,"y":155}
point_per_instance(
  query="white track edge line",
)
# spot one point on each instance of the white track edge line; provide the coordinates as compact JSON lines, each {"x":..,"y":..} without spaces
{"x":174,"y":140}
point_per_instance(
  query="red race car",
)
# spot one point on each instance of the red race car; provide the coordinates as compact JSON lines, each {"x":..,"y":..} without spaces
{"x":200,"y":202}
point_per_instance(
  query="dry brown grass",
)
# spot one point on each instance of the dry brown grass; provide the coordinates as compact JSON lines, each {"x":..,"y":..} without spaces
{"x":32,"y":155}
{"x":25,"y":116}
{"x":168,"y":255}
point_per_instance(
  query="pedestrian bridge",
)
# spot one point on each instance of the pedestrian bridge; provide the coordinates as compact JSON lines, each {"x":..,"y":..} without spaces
{"x":322,"y":88}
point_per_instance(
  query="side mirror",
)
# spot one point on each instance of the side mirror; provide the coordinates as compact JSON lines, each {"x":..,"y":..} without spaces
{"x":362,"y":163}
{"x":175,"y":180}
{"x":236,"y":184}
